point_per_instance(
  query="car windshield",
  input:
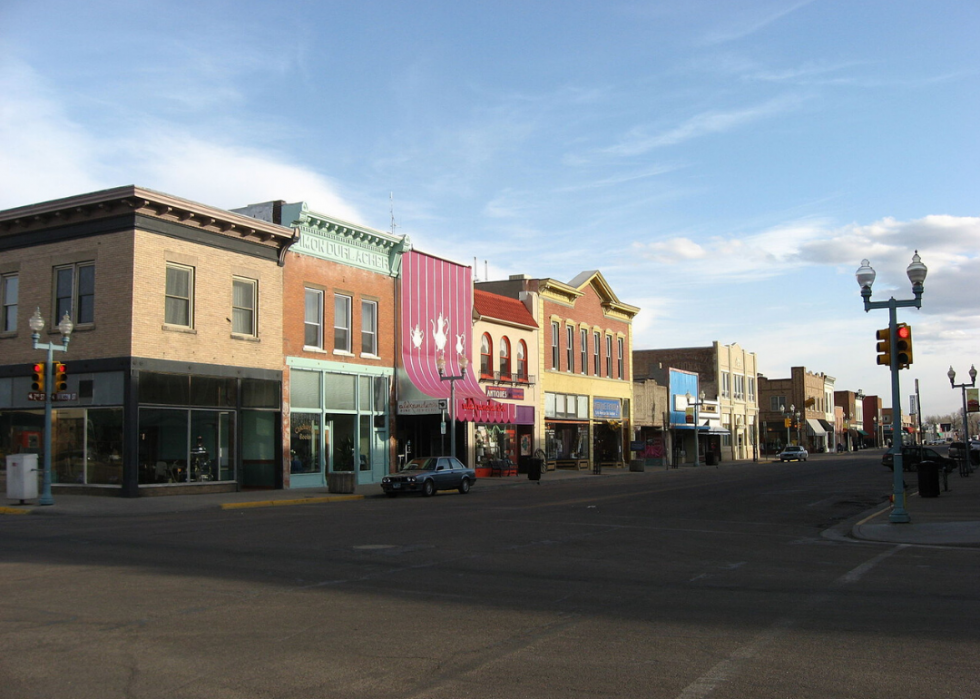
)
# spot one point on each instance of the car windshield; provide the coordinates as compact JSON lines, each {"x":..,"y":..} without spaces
{"x":426,"y":464}
{"x":793,"y":449}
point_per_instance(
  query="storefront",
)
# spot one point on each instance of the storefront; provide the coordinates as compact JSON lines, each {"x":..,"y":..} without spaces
{"x":338,"y":422}
{"x":567,"y":431}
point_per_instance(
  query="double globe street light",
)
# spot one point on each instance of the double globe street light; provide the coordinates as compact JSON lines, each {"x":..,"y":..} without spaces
{"x":916,"y":272}
{"x":64,"y":327}
{"x":966,"y":467}
{"x":441,"y":366}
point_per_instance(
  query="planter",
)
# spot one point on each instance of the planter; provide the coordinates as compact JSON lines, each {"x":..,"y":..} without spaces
{"x":341,"y":481}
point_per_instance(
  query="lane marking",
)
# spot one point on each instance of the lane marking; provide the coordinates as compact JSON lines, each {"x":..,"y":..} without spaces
{"x":857,"y":573}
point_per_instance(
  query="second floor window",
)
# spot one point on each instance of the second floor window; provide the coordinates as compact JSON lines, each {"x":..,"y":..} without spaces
{"x":521,"y":361}
{"x":619,"y":358}
{"x":8,"y":303}
{"x":609,"y":356}
{"x":369,"y":328}
{"x":555,"y":356}
{"x":75,"y":292}
{"x":486,"y":356}
{"x":596,"y":363}
{"x":243,"y":305}
{"x":583,"y":338}
{"x":725,"y":393}
{"x":179,"y":303}
{"x":504,"y":358}
{"x":570,"y":348}
{"x":341,"y":323}
{"x":313,"y":319}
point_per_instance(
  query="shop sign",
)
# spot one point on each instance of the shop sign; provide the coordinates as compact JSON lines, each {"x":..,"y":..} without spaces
{"x":505,"y":392}
{"x":421,"y":407}
{"x":55,"y":397}
{"x":473,"y":410}
{"x":606,"y":409}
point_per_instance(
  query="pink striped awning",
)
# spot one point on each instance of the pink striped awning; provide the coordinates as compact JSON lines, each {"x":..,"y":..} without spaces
{"x":436,"y":319}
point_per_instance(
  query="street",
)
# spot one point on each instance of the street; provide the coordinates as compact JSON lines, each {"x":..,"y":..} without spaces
{"x":688,"y":583}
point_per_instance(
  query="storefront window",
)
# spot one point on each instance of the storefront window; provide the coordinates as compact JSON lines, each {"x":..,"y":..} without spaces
{"x":163,"y":445}
{"x":259,"y":448}
{"x":364,"y":452}
{"x":68,"y":446}
{"x":304,"y":389}
{"x":103,"y":447}
{"x":304,"y":443}
{"x":338,"y":392}
{"x":186,"y":446}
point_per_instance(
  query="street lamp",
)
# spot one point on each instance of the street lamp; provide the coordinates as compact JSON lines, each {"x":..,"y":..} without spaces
{"x":441,"y":365}
{"x":916,"y":272}
{"x":966,"y":423}
{"x":64,"y":327}
{"x":799,"y":434}
{"x":787,"y":419}
{"x":697,"y":404}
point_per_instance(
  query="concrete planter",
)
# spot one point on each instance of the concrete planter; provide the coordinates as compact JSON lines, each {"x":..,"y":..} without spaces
{"x":341,"y":481}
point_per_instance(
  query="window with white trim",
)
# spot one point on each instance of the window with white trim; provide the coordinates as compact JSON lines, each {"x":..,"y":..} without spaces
{"x":583,"y":338}
{"x":596,"y":362}
{"x":570,"y":347}
{"x":341,"y":323}
{"x":619,"y":358}
{"x":245,"y":294}
{"x":725,"y":392}
{"x":609,"y":356}
{"x":369,"y":328}
{"x":313,"y":319}
{"x":555,"y":356}
{"x":179,"y":296}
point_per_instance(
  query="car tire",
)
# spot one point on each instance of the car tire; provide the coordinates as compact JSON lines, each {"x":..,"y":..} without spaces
{"x":464,"y":486}
{"x":428,"y":488}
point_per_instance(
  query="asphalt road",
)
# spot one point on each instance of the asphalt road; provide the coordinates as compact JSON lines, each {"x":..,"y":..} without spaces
{"x":682,"y":584}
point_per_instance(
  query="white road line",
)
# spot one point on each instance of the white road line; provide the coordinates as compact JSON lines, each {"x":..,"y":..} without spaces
{"x":856,"y":574}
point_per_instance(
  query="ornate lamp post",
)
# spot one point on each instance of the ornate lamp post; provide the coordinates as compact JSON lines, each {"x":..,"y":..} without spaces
{"x":441,"y":365}
{"x":788,"y":420}
{"x":64,"y":327}
{"x":966,"y":418}
{"x":697,"y":425}
{"x":865,"y":275}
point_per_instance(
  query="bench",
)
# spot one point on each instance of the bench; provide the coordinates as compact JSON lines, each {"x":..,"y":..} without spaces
{"x":503,"y":467}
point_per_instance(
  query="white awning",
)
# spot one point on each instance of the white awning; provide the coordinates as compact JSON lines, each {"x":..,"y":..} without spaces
{"x":815,"y":428}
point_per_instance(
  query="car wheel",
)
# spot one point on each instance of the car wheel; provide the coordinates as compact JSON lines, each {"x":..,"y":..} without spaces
{"x":428,"y":488}
{"x":464,"y":487}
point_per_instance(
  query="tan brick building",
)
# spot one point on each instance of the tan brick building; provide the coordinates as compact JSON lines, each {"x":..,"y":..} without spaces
{"x":175,"y":362}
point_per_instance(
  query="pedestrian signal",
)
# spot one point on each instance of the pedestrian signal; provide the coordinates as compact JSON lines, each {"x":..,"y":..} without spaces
{"x":885,"y":346}
{"x":60,"y":377}
{"x":903,"y":334}
{"x":37,"y":378}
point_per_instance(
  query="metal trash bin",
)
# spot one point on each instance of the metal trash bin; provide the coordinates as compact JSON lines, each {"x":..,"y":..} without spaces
{"x":710,"y":458}
{"x":929,"y":479}
{"x":22,"y":477}
{"x":534,"y":467}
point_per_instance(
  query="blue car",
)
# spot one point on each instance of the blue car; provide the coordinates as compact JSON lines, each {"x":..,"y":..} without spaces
{"x":429,"y":474}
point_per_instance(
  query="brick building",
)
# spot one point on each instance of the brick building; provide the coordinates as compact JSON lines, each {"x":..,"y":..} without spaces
{"x":804,"y":401}
{"x":585,"y":357}
{"x":338,"y":343}
{"x":175,"y":363}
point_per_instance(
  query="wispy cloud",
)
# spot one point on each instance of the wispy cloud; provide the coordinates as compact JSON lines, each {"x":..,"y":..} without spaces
{"x":640,"y":140}
{"x":751,"y":21}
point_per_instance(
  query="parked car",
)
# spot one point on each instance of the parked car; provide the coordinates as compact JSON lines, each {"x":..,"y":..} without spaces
{"x":912,"y":455}
{"x":793,"y":453}
{"x":956,"y":452}
{"x":428,"y":474}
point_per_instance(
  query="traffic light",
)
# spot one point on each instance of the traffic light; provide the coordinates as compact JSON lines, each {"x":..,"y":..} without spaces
{"x":60,"y":377}
{"x":37,"y":378}
{"x":903,"y":343}
{"x":885,"y":346}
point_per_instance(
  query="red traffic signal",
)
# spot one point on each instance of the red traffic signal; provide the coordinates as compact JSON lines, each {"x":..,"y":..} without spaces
{"x":37,"y":378}
{"x":60,"y":377}
{"x":903,"y":345}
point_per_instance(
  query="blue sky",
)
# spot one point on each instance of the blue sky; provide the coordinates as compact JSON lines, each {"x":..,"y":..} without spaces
{"x":726,"y":165}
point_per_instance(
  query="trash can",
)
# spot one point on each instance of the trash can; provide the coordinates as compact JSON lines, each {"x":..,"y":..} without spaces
{"x":341,"y":482}
{"x":637,"y":465}
{"x":710,"y":458}
{"x":929,"y":479}
{"x":22,"y":477}
{"x":534,"y":467}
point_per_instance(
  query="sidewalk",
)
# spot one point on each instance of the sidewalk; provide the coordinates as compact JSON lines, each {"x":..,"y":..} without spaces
{"x":90,"y":505}
{"x":952,"y":519}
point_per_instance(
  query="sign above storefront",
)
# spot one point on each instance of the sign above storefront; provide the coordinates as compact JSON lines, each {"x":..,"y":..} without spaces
{"x":505,"y":392}
{"x":606,"y":409}
{"x":422,"y":407}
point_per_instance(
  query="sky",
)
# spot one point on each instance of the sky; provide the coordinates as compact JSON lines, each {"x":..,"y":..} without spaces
{"x":725,"y":165}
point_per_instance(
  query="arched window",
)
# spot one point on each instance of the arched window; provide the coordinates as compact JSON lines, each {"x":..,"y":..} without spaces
{"x":504,"y":358}
{"x":521,"y":361}
{"x":486,"y":356}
